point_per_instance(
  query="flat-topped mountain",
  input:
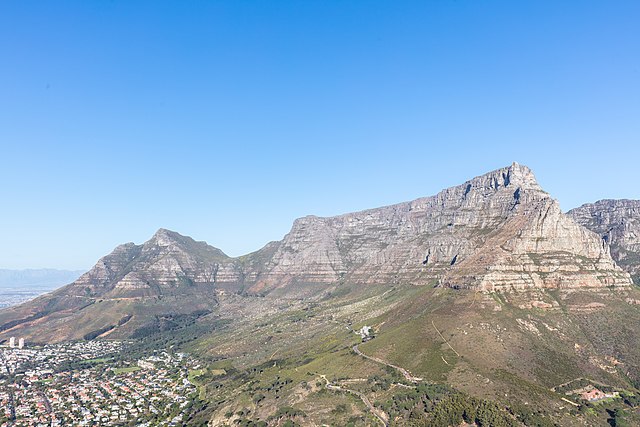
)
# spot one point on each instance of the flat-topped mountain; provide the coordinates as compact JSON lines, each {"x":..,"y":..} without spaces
{"x":618,"y":223}
{"x":498,"y":231}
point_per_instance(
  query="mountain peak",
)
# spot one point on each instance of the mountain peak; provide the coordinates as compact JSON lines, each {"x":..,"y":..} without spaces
{"x":164,"y":237}
{"x":522,"y":176}
{"x":516,"y":176}
{"x":163,"y":232}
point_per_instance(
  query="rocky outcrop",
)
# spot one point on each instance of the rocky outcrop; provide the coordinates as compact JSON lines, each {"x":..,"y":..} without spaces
{"x":496,"y":231}
{"x":617,"y":222}
{"x":160,"y":266}
{"x":539,"y":247}
{"x":168,"y":274}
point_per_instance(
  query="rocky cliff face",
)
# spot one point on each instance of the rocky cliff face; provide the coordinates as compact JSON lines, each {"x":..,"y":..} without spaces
{"x":496,"y":231}
{"x":165,"y":262}
{"x":617,"y":222}
{"x":127,"y":289}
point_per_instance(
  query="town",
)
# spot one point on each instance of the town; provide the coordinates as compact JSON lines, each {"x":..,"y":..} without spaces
{"x":85,"y":384}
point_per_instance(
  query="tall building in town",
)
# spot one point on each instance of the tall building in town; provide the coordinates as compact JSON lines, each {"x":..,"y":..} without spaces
{"x":12,"y":342}
{"x":21,"y":343}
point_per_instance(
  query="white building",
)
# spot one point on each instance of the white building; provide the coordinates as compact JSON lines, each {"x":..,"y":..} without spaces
{"x":21,"y":343}
{"x":12,"y":342}
{"x":366,"y":332}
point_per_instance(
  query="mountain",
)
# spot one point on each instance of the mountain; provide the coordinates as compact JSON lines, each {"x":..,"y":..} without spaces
{"x":618,"y":223}
{"x":156,"y":268}
{"x":498,"y":231}
{"x":484,"y":294}
{"x":167,"y":275}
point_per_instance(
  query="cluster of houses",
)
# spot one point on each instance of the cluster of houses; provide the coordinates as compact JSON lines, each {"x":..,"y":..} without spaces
{"x":91,"y":398}
{"x":19,"y":359}
{"x":143,"y":391}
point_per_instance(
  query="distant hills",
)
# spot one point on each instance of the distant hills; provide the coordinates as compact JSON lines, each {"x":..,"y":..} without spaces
{"x":18,"y":286}
{"x":42,"y":277}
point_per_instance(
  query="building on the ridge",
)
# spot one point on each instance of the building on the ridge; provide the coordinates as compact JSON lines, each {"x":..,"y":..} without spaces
{"x":21,"y":343}
{"x":12,"y":342}
{"x":594,"y":395}
{"x":366,"y":333}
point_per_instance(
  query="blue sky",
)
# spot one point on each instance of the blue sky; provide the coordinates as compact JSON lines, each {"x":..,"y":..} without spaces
{"x":226,"y":120}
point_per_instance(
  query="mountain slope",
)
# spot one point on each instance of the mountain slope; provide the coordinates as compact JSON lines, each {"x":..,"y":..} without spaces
{"x":169,"y":274}
{"x":618,"y":223}
{"x":498,"y":231}
{"x":514,"y":348}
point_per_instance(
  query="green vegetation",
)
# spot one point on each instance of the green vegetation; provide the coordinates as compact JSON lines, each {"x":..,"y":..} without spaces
{"x":458,"y":408}
{"x":195,"y":373}
{"x":94,"y":334}
{"x":98,"y":360}
{"x":125,"y":370}
{"x":415,"y":403}
{"x":272,"y":368}
{"x":168,"y":323}
{"x":290,"y":352}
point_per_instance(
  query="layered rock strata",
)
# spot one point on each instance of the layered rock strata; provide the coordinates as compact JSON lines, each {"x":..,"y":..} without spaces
{"x":167,"y":260}
{"x":617,"y":222}
{"x":496,"y":231}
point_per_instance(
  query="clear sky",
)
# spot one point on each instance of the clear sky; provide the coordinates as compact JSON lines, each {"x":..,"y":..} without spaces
{"x":226,"y":120}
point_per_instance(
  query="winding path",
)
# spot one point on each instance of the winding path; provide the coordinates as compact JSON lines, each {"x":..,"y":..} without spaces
{"x":445,"y":340}
{"x":379,"y":414}
{"x":400,"y":369}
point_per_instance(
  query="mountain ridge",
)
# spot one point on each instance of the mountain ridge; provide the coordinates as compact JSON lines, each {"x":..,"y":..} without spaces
{"x":436,"y":232}
{"x":618,"y":223}
{"x":497,"y":231}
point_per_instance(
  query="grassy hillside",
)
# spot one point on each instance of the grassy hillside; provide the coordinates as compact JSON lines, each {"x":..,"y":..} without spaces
{"x":497,"y":355}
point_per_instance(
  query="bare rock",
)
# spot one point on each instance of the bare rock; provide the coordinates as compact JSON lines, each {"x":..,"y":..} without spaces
{"x":496,"y":231}
{"x":617,"y":222}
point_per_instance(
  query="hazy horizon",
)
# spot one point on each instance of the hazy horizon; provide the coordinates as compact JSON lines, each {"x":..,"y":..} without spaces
{"x":35,"y":277}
